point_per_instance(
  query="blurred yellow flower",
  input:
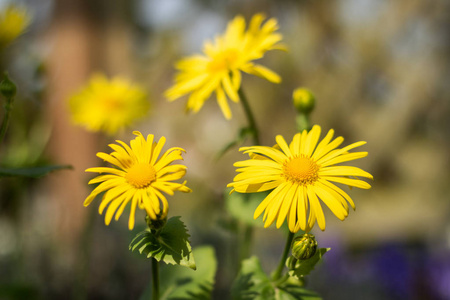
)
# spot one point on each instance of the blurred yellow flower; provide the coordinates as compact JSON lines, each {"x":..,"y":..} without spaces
{"x":218,"y":69}
{"x":13,"y":22}
{"x":300,"y":174}
{"x":138,"y":177}
{"x":108,"y":105}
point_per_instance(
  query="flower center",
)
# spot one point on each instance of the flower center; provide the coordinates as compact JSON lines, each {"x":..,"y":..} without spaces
{"x":140,"y":175}
{"x":223,"y":61}
{"x":301,"y":170}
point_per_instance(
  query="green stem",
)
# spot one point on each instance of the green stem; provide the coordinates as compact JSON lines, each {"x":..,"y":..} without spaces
{"x":155,"y":279}
{"x":250,"y":118}
{"x":303,"y":122}
{"x":277,"y":274}
{"x":248,"y":230}
{"x":5,"y":122}
{"x":246,"y":242}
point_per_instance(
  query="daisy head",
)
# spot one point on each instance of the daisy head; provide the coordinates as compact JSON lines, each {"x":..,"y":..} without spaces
{"x":140,"y":176}
{"x":218,"y":69}
{"x":299,"y":175}
{"x":108,"y":105}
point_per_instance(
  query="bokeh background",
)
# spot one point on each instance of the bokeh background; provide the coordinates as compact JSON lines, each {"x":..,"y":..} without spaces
{"x":380,"y":71}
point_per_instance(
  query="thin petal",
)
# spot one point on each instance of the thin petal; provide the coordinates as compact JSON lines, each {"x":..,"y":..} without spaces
{"x":316,"y":207}
{"x":283,"y":145}
{"x":339,"y":191}
{"x":286,"y":205}
{"x":223,"y":103}
{"x":295,"y":145}
{"x":229,"y":89}
{"x":157,"y":150}
{"x":333,"y":204}
{"x":344,"y":171}
{"x":311,"y":140}
{"x":263,"y":205}
{"x":273,"y":208}
{"x":350,"y":182}
{"x":344,"y":158}
{"x":132,"y":213}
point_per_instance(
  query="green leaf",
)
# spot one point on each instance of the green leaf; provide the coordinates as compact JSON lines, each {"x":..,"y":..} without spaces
{"x":178,"y":283}
{"x":253,"y":283}
{"x":242,"y":206}
{"x":295,"y":292}
{"x":304,"y":267}
{"x":34,"y":172}
{"x":170,"y":246}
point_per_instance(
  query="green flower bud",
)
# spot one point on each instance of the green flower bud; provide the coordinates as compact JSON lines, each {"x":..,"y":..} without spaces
{"x":304,"y":246}
{"x":304,"y":100}
{"x":7,"y":87}
{"x":156,"y":224}
{"x":291,"y":262}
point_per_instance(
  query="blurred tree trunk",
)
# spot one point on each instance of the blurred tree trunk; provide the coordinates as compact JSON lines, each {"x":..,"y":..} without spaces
{"x":73,"y":37}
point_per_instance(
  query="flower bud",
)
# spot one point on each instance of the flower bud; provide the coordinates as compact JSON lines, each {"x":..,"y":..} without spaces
{"x":7,"y":87}
{"x":304,"y":100}
{"x":156,"y":224}
{"x":304,"y":246}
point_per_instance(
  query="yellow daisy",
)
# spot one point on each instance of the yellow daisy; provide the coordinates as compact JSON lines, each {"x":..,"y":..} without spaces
{"x":139,"y":177}
{"x":300,"y":174}
{"x":13,"y":22}
{"x":108,"y":105}
{"x":218,"y":69}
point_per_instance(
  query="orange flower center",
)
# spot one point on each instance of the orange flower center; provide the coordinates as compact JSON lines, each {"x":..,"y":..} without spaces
{"x":140,"y":175}
{"x":223,"y":61}
{"x":301,"y":170}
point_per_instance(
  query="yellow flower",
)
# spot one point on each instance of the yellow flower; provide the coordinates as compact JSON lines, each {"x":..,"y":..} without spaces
{"x":138,"y":177}
{"x":300,"y":174}
{"x":218,"y":70}
{"x":108,"y":105}
{"x":13,"y":22}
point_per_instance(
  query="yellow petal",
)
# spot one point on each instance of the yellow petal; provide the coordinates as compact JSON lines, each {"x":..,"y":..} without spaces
{"x":347,"y":181}
{"x":343,"y":171}
{"x":283,"y":145}
{"x":311,"y":140}
{"x":286,"y":204}
{"x":316,"y":208}
{"x":223,"y":104}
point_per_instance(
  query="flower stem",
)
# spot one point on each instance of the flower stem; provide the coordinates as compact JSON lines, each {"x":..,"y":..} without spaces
{"x":250,"y":118}
{"x":277,"y":274}
{"x":5,"y":122}
{"x":248,"y":230}
{"x":155,"y":279}
{"x":8,"y":90}
{"x":303,"y":122}
{"x":247,"y":238}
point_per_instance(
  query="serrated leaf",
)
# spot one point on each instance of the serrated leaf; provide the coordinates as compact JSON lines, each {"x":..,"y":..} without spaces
{"x":252,"y":282}
{"x":34,"y":172}
{"x":178,"y":283}
{"x":242,"y":206}
{"x":295,"y":292}
{"x":304,"y":267}
{"x":170,"y":246}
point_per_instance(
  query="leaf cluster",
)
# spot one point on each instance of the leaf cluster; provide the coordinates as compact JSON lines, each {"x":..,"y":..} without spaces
{"x":253,"y":284}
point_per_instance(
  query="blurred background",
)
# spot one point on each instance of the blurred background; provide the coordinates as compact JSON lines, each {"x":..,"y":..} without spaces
{"x":380,"y":71}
